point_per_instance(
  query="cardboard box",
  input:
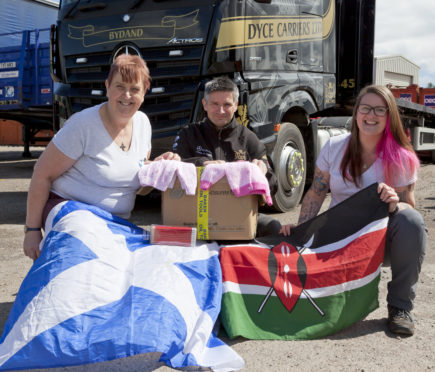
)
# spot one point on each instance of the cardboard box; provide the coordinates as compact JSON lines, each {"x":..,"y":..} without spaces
{"x":217,"y":216}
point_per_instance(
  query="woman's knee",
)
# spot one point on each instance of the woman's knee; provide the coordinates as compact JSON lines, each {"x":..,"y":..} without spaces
{"x":407,"y":227}
{"x":408,"y":218}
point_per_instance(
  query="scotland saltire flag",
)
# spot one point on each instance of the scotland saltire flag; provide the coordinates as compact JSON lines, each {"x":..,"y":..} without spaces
{"x":99,"y":292}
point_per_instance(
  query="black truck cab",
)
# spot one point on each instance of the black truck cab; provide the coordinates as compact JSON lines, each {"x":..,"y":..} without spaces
{"x":292,"y":61}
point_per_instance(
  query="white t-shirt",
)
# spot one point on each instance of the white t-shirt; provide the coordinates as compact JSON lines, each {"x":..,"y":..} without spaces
{"x":329,"y":160}
{"x":103,"y":174}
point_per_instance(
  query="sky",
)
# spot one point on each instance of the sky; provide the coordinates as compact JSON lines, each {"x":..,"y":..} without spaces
{"x":407,"y":28}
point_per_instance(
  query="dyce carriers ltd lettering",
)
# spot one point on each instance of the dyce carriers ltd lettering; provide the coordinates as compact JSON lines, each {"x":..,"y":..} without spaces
{"x":240,"y":32}
{"x":282,"y":30}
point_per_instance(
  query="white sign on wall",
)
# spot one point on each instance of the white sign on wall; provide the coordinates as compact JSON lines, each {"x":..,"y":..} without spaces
{"x":8,"y":74}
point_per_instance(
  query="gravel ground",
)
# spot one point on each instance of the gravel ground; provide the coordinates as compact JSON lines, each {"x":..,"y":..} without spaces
{"x":365,"y":346}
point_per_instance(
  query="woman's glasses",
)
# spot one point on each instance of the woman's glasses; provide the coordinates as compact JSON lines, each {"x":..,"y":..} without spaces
{"x":378,"y":110}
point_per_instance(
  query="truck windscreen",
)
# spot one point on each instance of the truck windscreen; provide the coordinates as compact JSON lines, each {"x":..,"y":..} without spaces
{"x":70,"y":8}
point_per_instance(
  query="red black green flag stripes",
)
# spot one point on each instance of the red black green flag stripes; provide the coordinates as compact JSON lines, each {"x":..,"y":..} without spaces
{"x":321,"y":279}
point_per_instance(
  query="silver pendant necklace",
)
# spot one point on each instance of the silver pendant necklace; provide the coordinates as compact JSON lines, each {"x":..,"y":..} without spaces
{"x":122,"y":146}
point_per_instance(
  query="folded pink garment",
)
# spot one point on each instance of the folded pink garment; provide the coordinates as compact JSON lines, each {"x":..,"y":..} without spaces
{"x":211,"y":174}
{"x":161,"y":174}
{"x":244,"y":178}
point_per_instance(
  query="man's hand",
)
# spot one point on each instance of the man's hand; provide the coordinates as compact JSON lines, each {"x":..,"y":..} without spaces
{"x":168,"y":156}
{"x":31,"y":244}
{"x":213,"y":162}
{"x":261,"y":165}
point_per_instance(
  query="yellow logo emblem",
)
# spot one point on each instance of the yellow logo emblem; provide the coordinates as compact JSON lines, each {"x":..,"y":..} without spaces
{"x":242,"y":115}
{"x":240,"y":155}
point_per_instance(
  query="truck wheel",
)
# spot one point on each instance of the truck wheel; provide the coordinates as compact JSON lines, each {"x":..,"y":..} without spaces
{"x":433,"y":156}
{"x":289,"y":160}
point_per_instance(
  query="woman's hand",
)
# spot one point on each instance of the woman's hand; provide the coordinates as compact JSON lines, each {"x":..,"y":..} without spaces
{"x":31,"y":244}
{"x":286,"y":229}
{"x":388,"y":195}
{"x":168,"y":156}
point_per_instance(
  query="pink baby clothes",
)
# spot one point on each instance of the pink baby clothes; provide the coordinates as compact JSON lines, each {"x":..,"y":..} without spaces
{"x":211,"y":174}
{"x":187,"y":176}
{"x":161,"y":175}
{"x":244,"y":178}
{"x":156,"y":174}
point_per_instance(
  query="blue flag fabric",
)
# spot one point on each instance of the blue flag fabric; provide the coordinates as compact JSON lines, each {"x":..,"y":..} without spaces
{"x":99,"y":292}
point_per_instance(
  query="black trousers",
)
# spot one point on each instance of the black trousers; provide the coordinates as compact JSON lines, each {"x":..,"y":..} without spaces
{"x":267,"y":225}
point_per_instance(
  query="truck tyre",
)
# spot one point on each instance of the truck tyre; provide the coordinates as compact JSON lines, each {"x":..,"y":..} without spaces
{"x":289,"y":160}
{"x":433,"y":156}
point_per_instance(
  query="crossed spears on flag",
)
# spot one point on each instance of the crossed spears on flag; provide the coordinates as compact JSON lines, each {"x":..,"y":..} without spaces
{"x":282,"y":262}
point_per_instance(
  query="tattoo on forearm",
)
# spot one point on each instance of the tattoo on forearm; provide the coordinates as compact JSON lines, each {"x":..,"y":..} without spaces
{"x":309,"y":210}
{"x":314,"y":198}
{"x":319,"y":183}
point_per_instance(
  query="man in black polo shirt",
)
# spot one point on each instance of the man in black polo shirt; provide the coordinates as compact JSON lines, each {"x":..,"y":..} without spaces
{"x":219,"y":138}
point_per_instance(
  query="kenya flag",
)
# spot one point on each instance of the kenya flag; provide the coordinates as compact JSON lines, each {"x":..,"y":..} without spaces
{"x":319,"y":280}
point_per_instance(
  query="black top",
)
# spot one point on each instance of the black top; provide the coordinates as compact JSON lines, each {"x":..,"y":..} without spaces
{"x":203,"y":141}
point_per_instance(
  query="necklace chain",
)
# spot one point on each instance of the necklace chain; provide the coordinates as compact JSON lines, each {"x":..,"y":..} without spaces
{"x":369,"y":160}
{"x":122,"y":146}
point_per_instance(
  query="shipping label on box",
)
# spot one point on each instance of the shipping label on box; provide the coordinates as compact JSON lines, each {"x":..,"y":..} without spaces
{"x":217,"y":213}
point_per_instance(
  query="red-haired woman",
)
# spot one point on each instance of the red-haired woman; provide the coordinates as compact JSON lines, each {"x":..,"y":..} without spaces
{"x":96,"y":156}
{"x":377,"y":150}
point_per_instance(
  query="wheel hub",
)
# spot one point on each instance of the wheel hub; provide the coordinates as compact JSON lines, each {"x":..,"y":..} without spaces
{"x":291,"y":167}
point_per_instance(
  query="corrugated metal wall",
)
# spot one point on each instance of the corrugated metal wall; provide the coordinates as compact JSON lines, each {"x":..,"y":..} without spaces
{"x":396,"y":70}
{"x":19,"y":15}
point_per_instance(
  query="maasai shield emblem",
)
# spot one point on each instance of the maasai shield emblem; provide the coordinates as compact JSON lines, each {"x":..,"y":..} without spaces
{"x":288,"y":273}
{"x":285,"y":264}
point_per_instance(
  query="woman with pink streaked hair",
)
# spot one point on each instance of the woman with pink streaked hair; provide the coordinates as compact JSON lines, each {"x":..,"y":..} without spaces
{"x":377,"y":150}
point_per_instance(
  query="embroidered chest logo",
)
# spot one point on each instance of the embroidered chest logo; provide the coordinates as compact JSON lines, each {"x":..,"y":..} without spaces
{"x":240,"y":155}
{"x":202,"y":151}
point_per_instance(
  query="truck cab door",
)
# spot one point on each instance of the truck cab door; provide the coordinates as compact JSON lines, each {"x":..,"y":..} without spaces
{"x":317,"y":57}
{"x":271,"y":37}
{"x":310,"y":35}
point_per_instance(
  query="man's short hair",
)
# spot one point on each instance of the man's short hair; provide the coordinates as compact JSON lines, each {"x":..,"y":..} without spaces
{"x":221,"y":84}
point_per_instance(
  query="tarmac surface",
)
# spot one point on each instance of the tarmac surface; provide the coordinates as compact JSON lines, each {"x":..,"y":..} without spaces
{"x":365,"y":346}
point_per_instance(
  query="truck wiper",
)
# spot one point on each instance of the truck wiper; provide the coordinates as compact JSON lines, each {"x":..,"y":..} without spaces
{"x":86,"y":7}
{"x":92,"y":6}
{"x":136,"y":4}
{"x":72,"y":9}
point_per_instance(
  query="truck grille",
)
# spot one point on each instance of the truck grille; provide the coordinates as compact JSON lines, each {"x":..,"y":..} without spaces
{"x":168,"y":103}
